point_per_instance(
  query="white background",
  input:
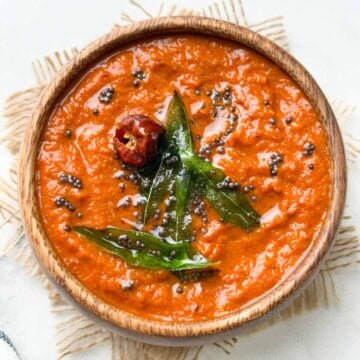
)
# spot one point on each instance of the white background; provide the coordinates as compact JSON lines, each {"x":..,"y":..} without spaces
{"x":323,"y":34}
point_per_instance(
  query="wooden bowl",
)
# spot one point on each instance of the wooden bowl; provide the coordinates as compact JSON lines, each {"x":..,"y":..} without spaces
{"x":174,"y":333}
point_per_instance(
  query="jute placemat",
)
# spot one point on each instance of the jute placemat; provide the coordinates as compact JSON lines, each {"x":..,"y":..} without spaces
{"x":76,"y":333}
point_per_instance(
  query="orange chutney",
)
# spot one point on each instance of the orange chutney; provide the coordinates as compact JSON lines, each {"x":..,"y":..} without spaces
{"x":273,"y":116}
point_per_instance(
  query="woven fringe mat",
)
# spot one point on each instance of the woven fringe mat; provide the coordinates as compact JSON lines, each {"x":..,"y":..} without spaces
{"x":76,"y":333}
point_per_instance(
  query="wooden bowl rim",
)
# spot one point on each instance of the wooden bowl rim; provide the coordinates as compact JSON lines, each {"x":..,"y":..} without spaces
{"x":115,"y":39}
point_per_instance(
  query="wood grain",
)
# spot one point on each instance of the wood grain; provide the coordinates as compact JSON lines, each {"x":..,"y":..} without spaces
{"x":166,"y":333}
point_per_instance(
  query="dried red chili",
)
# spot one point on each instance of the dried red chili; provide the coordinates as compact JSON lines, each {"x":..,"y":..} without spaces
{"x":136,"y":140}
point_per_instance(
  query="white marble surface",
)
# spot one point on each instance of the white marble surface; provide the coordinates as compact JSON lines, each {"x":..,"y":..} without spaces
{"x":323,"y":34}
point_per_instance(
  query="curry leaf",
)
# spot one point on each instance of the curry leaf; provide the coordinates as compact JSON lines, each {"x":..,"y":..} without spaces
{"x":146,"y":176}
{"x":178,"y":134}
{"x":145,"y":250}
{"x":180,"y":217}
{"x":231,"y":204}
{"x":179,"y":142}
{"x":228,"y":207}
{"x":183,"y":215}
{"x":160,"y":186}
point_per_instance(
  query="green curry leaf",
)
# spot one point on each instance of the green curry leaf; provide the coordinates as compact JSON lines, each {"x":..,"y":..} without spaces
{"x":183,"y":215}
{"x":144,"y":249}
{"x":163,"y":180}
{"x":178,"y":134}
{"x":230,"y":204}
